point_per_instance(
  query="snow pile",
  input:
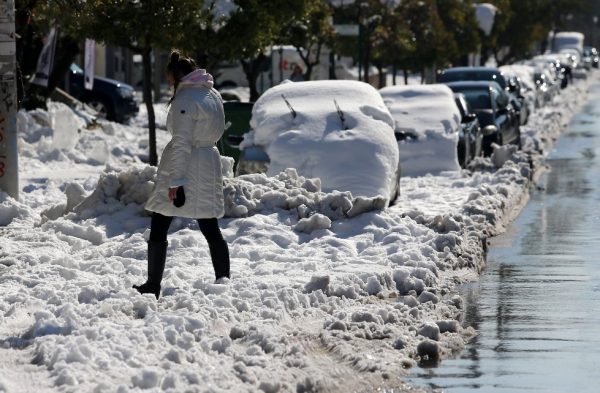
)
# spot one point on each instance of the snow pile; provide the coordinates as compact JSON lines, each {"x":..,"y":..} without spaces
{"x":257,"y":193}
{"x":431,"y":119}
{"x":353,"y":150}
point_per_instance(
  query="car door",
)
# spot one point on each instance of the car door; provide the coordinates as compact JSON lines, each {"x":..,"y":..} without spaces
{"x":504,"y":122}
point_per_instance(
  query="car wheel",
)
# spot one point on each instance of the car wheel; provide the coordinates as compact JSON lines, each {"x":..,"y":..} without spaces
{"x":102,"y":107}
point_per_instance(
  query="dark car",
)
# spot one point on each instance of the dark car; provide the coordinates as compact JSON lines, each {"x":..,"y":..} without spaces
{"x":470,"y":136}
{"x":112,"y":99}
{"x":492,"y":106}
{"x":517,"y":100}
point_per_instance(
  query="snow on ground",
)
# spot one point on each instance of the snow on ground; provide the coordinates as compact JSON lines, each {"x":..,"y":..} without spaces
{"x":322,"y":298}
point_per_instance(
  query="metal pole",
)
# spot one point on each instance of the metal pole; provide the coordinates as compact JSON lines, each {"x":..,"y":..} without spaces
{"x":9,"y":170}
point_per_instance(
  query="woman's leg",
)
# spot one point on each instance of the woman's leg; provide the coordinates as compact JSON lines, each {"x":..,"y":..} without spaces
{"x":159,"y":226}
{"x":157,"y":254}
{"x":219,"y":252}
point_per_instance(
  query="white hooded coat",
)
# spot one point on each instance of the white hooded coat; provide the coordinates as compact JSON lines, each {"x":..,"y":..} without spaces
{"x":196,"y":121}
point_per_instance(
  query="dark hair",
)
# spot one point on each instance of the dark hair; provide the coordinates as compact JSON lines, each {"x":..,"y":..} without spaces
{"x":179,"y":66}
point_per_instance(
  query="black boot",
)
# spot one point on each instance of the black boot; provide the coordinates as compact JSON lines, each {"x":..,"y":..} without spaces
{"x":157,"y":254}
{"x":219,"y":254}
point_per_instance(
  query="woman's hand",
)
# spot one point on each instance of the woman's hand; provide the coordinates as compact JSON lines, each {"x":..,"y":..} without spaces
{"x":173,"y":193}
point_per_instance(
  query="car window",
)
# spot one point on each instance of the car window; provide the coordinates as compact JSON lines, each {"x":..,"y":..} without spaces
{"x":478,"y":99}
{"x":454,"y":76}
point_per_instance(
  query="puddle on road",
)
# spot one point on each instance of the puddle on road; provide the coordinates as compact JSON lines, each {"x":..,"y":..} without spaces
{"x":536,"y":308}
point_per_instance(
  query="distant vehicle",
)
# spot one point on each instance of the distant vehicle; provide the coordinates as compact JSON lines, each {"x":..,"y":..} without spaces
{"x":112,"y":99}
{"x":492,"y":106}
{"x":523,"y":74}
{"x":427,"y":126}
{"x":470,"y":144}
{"x":568,"y":40}
{"x":281,"y":63}
{"x":338,"y":131}
{"x":488,"y":74}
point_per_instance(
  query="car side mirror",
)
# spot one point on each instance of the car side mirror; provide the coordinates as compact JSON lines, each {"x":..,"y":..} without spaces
{"x":502,"y":101}
{"x":469,"y":117}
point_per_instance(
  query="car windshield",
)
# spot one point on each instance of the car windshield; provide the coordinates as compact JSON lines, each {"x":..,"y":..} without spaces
{"x":477,"y":99}
{"x":468,"y":75}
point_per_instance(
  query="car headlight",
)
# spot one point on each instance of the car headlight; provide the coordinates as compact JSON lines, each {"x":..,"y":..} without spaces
{"x":125,"y":91}
{"x":489,"y":130}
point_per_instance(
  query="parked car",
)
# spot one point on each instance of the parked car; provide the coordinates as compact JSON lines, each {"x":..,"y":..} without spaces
{"x":427,"y":126}
{"x":523,"y":75}
{"x":337,"y":130}
{"x":112,"y":99}
{"x":470,"y":143}
{"x":492,"y":106}
{"x":456,"y":74}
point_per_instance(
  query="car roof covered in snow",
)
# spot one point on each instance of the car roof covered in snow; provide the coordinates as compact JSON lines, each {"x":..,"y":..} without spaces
{"x":299,"y":125}
{"x":422,"y":107}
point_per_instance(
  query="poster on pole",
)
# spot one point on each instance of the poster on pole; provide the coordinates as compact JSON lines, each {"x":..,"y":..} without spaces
{"x":9,"y":174}
{"x":46,"y":60}
{"x":90,"y":59}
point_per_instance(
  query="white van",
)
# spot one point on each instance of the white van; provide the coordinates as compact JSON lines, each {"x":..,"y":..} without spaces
{"x":284,"y":60}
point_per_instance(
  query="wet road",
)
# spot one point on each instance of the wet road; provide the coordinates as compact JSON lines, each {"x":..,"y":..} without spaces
{"x":537,"y":307}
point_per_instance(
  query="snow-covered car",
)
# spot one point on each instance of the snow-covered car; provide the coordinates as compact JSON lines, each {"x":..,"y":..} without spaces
{"x":427,"y":127}
{"x":492,"y":107}
{"x":523,"y":75}
{"x":337,"y":130}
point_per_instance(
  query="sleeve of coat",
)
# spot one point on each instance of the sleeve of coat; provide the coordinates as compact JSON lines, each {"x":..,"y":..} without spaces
{"x":183,"y":125}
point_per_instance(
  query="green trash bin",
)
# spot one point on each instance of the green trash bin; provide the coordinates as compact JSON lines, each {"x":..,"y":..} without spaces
{"x":238,"y":114}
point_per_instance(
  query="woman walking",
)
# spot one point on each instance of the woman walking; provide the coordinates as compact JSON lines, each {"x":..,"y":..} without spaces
{"x":189,"y":182}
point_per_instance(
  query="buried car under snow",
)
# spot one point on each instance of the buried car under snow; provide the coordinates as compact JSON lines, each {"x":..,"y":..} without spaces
{"x":338,"y":131}
{"x":428,"y":127}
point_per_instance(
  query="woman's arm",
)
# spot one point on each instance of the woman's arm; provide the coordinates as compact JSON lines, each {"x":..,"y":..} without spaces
{"x":183,"y":125}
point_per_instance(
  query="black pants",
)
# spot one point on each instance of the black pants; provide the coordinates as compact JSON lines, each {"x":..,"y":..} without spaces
{"x":219,"y":252}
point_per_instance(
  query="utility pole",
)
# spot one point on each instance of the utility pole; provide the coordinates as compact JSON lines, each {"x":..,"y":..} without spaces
{"x":9,"y":170}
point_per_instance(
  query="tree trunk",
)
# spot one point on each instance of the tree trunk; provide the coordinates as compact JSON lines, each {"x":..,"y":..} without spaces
{"x":158,"y":70}
{"x":381,"y":76}
{"x":367,"y":60}
{"x":405,"y":72}
{"x":394,"y":70}
{"x":252,"y":68}
{"x":147,"y":64}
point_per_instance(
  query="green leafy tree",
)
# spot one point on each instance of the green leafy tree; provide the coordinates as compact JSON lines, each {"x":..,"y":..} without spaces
{"x":429,"y":34}
{"x":392,"y":43}
{"x":248,"y":31}
{"x":461,"y":26}
{"x":521,"y":24}
{"x":142,"y":26}
{"x":309,"y":33}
